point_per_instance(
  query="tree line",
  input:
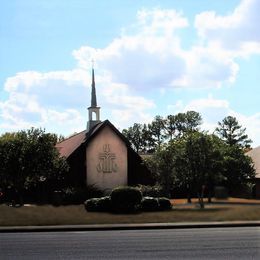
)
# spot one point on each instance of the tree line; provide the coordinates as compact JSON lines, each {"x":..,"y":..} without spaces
{"x":184,"y":157}
{"x":29,"y":161}
{"x":146,"y":138}
{"x":181,"y":157}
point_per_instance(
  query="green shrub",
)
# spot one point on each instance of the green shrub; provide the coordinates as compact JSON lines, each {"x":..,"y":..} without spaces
{"x":102,"y":204}
{"x":149,"y":204}
{"x":57,"y":198}
{"x":91,"y":205}
{"x":75,"y":195}
{"x":69,"y":196}
{"x":126,"y":199}
{"x":93,"y":192}
{"x":164,"y":203}
{"x":151,"y":191}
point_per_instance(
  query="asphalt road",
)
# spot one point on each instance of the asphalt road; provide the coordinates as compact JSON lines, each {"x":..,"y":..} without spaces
{"x":206,"y":243}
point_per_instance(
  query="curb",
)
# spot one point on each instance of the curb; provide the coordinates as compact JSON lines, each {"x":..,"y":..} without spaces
{"x":145,"y":226}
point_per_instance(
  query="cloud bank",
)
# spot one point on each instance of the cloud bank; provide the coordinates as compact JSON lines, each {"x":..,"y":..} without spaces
{"x":135,"y":67}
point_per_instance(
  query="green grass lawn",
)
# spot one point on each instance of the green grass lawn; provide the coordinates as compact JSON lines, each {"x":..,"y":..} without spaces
{"x":70,"y":215}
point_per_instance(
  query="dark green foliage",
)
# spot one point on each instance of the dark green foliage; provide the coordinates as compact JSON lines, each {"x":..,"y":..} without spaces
{"x":198,"y":163}
{"x":162,"y":166}
{"x":126,"y":199}
{"x":102,"y":204}
{"x":149,"y":204}
{"x":74,"y":195}
{"x":135,"y":135}
{"x":157,"y":130}
{"x":91,"y":205}
{"x":128,"y":205}
{"x":29,"y":158}
{"x":182,"y":123}
{"x":164,"y":203}
{"x":232,"y":133}
{"x":237,"y":169}
{"x":93,"y":192}
{"x":221,"y":192}
{"x":146,"y":138}
{"x":151,"y":191}
{"x":192,"y":161}
{"x":57,"y":198}
{"x":71,"y":196}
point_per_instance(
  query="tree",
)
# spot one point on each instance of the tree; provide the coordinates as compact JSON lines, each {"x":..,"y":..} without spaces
{"x":188,"y":122}
{"x":197,"y":163}
{"x":161,"y":165}
{"x":238,"y":168}
{"x":28,"y":158}
{"x":135,"y":135}
{"x":157,"y":128}
{"x":149,"y":143}
{"x":171,"y":126}
{"x":141,"y":138}
{"x":232,"y":133}
{"x":192,"y":161}
{"x":181,"y":123}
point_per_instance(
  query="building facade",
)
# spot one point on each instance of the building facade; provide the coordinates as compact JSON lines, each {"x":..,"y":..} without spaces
{"x":101,"y":156}
{"x":255,"y":155}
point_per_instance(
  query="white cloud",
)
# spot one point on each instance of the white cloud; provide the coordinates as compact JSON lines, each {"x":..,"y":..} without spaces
{"x":252,"y":125}
{"x":48,"y":88}
{"x":148,"y":58}
{"x":233,"y":30}
{"x":207,"y":67}
{"x":158,"y":21}
{"x":126,"y":108}
{"x":56,"y":100}
{"x":151,"y":55}
{"x":212,"y":110}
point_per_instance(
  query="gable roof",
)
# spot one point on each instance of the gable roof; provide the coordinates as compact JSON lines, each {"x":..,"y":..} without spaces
{"x":69,"y":145}
{"x":95,"y":130}
{"x":255,"y":155}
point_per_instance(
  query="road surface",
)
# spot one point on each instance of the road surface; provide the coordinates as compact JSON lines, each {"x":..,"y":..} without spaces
{"x":206,"y":243}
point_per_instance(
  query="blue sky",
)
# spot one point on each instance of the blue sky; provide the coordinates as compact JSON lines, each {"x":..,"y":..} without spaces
{"x":151,"y":58}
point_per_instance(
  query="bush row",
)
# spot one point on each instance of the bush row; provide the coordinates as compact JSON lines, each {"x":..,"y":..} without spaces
{"x":127,"y":200}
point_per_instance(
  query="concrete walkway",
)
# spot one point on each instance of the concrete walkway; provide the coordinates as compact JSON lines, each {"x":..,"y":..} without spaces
{"x":103,"y":227}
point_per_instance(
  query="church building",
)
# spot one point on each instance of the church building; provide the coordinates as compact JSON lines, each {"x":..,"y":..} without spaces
{"x":101,"y":155}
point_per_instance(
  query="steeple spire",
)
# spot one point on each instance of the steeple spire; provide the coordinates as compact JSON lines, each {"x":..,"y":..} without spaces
{"x":93,"y":110}
{"x":93,"y":90}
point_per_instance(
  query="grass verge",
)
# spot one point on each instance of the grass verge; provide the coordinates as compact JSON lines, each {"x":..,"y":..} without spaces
{"x":72,"y":215}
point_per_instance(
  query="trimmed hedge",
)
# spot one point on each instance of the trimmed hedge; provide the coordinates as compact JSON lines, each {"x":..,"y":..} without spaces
{"x":102,"y":204}
{"x":91,"y":204}
{"x":149,"y":204}
{"x":164,"y":203}
{"x":126,"y":199}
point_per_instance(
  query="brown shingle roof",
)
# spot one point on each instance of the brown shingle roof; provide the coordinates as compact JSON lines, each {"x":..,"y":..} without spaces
{"x":69,"y":145}
{"x":255,"y":155}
